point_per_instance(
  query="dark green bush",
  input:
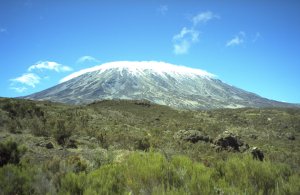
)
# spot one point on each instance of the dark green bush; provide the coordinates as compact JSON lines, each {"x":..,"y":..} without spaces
{"x":61,"y":132}
{"x":142,"y":144}
{"x":10,"y":153}
{"x":15,"y":126}
{"x":22,"y":109}
{"x":38,"y":128}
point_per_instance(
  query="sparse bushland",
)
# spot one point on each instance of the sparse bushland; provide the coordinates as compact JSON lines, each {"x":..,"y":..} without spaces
{"x":127,"y":147}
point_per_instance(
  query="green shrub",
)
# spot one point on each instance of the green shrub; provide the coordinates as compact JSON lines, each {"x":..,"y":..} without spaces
{"x":191,"y":176}
{"x":77,"y":164}
{"x":38,"y":128}
{"x":61,"y":132}
{"x":57,"y":168}
{"x":73,"y":183}
{"x":22,"y":109}
{"x":43,"y":182}
{"x":14,"y":126}
{"x":142,"y":144}
{"x":152,"y":173}
{"x":144,"y":171}
{"x":16,"y":180}
{"x":108,"y":179}
{"x":252,"y":176}
{"x":10,"y":153}
{"x":292,"y":186}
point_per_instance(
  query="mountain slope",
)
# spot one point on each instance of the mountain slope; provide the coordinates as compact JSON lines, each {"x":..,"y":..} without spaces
{"x":158,"y":82}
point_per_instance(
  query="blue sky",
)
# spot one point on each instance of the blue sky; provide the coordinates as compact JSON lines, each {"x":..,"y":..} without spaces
{"x":251,"y":44}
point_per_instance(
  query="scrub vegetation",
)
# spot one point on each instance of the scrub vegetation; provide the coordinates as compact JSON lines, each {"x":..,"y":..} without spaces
{"x":136,"y":147}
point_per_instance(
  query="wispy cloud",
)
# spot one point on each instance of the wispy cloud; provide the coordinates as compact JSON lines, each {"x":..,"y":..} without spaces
{"x":236,"y":40}
{"x":29,"y":79}
{"x":188,"y":36}
{"x":182,"y":47}
{"x":184,"y":39}
{"x":204,"y":17}
{"x":185,"y":32}
{"x":163,"y":9}
{"x":84,"y":59}
{"x":19,"y":89}
{"x":50,"y":66}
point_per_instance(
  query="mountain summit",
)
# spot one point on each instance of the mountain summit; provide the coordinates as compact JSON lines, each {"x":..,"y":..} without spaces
{"x":158,"y":82}
{"x":140,"y":68}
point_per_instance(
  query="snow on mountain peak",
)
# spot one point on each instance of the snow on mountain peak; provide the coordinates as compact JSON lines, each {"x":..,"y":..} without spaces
{"x":138,"y":67}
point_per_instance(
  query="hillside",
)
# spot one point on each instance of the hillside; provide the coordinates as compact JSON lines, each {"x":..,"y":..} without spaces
{"x":141,"y":147}
{"x":159,"y":82}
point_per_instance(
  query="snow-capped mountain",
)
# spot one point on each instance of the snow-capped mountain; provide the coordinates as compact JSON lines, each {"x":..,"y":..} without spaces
{"x":158,"y":82}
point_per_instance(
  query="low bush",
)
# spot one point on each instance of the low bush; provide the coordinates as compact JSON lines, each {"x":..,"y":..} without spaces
{"x":108,"y":179}
{"x":61,"y":132}
{"x":152,"y":173}
{"x":10,"y":153}
{"x":252,"y":176}
{"x":37,"y":127}
{"x":16,"y":180}
{"x":73,"y":183}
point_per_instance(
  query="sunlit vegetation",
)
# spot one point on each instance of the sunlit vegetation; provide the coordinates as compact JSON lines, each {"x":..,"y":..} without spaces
{"x":131,"y":147}
{"x":152,"y":173}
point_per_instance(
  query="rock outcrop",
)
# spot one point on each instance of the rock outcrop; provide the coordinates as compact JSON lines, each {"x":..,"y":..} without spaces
{"x":230,"y":141}
{"x":46,"y":144}
{"x":192,"y":136}
{"x":257,"y":153}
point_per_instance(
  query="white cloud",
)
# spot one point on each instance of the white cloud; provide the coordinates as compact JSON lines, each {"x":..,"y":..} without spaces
{"x":29,"y":79}
{"x":50,"y":66}
{"x":194,"y":34}
{"x":19,"y":89}
{"x":183,"y":40}
{"x":182,"y":47}
{"x":84,"y":59}
{"x":203,"y":17}
{"x":237,"y":40}
{"x":163,"y":9}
